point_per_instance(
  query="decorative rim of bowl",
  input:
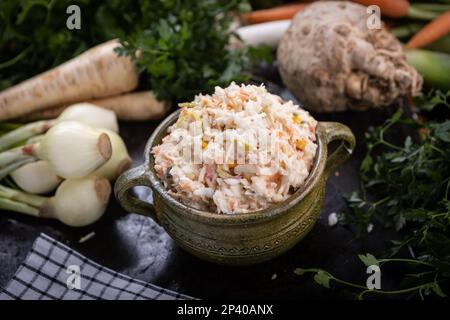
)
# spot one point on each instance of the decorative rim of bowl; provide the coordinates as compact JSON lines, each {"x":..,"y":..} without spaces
{"x":268,"y":213}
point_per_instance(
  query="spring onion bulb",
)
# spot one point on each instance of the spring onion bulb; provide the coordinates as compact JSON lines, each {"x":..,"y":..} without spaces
{"x":119,"y":161}
{"x":36,"y":177}
{"x":86,"y":113}
{"x":73,"y":149}
{"x":77,"y":202}
{"x":92,"y":115}
{"x":4,"y":171}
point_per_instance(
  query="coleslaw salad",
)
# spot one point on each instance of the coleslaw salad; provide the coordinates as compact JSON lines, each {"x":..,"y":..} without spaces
{"x":241,"y":149}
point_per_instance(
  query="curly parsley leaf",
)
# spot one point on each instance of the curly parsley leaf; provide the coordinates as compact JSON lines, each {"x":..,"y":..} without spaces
{"x":184,"y":48}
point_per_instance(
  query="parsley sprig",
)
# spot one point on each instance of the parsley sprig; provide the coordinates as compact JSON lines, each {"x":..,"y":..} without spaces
{"x":183,"y":47}
{"x":405,"y":186}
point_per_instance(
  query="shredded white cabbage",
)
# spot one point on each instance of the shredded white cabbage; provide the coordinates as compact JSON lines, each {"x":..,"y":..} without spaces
{"x":239,"y":150}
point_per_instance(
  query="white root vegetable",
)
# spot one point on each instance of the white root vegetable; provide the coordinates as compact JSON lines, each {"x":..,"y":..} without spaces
{"x":72,"y":149}
{"x":120,"y":159}
{"x":77,"y":202}
{"x":92,"y":115}
{"x":135,"y":106}
{"x":268,"y":33}
{"x":36,"y":177}
{"x":98,"y":72}
{"x":82,"y":112}
{"x":331,"y":61}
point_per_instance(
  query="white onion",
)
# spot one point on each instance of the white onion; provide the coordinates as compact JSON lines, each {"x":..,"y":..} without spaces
{"x":36,"y":177}
{"x":86,"y":113}
{"x":119,"y":161}
{"x":92,"y":115}
{"x":74,"y":149}
{"x":78,"y":202}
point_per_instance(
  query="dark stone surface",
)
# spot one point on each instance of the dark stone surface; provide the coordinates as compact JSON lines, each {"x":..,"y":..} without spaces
{"x":136,"y":246}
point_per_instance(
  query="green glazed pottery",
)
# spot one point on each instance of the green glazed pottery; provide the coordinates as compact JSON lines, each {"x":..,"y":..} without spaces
{"x":237,"y":239}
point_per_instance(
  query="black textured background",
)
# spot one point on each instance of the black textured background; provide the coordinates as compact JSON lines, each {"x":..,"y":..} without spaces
{"x":136,"y":246}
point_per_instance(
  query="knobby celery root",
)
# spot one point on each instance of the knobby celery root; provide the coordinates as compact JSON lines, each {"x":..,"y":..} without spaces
{"x":136,"y":106}
{"x":98,"y":72}
{"x":332,"y":62}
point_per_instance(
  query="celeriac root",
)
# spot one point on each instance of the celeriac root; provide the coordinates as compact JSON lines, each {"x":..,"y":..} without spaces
{"x":332,"y":61}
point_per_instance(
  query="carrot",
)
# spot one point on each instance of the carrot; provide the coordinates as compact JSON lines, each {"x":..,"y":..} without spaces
{"x":98,"y":72}
{"x":389,"y":8}
{"x":136,"y":106}
{"x":431,"y":32}
{"x":283,"y":12}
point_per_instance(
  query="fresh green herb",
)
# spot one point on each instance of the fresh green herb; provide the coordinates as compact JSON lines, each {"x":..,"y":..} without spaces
{"x":429,"y":101}
{"x":183,"y":44}
{"x":405,"y":186}
{"x":422,"y":288}
{"x":34,"y":36}
{"x":407,"y":181}
{"x":182,"y":47}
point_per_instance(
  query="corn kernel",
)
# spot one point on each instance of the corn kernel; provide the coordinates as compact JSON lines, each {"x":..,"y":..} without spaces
{"x":300,"y":144}
{"x":296,"y":119}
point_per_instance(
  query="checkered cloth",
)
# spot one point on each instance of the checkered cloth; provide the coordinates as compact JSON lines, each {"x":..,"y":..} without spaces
{"x":54,"y":271}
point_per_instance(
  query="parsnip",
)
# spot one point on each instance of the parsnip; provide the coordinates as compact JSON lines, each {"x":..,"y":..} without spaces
{"x":136,"y":106}
{"x":98,"y":72}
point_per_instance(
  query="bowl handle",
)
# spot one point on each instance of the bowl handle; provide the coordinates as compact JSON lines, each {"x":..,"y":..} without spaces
{"x":133,"y":178}
{"x":337,"y":131}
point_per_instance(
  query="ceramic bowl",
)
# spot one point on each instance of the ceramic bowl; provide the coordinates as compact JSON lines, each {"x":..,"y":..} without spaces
{"x":237,"y":239}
